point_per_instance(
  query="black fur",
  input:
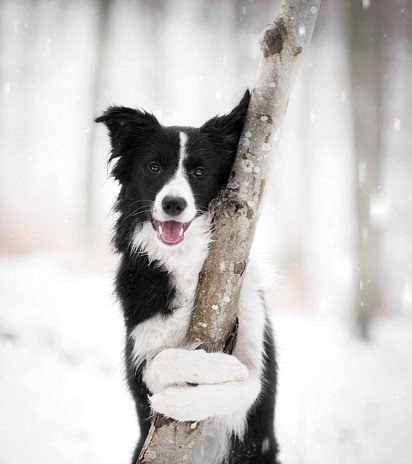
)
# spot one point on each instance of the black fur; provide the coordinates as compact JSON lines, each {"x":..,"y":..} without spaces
{"x":144,"y":288}
{"x":259,"y":446}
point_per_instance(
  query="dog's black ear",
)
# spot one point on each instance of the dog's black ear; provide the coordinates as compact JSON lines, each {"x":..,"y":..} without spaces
{"x":224,"y":131}
{"x":129,"y":130}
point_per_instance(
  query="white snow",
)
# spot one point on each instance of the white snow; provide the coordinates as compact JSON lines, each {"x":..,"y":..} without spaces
{"x":341,"y":400}
{"x":63,"y":398}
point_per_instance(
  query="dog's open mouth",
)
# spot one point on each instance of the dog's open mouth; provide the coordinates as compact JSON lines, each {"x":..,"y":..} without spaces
{"x":170,"y":232}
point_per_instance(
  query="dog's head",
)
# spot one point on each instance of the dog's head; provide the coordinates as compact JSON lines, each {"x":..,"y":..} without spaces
{"x":168,"y":175}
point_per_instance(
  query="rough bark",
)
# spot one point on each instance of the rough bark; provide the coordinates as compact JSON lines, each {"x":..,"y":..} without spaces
{"x":236,"y":211}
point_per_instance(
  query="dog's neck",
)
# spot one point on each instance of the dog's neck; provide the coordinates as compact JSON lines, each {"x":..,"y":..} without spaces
{"x":183,"y":262}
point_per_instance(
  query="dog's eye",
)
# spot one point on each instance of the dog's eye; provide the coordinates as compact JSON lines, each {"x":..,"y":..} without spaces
{"x":154,"y":167}
{"x":199,"y":172}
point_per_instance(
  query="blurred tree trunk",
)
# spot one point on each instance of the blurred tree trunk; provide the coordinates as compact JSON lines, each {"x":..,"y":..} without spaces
{"x":366,"y":97}
{"x":103,"y":13}
{"x":396,"y":116}
{"x":154,"y":12}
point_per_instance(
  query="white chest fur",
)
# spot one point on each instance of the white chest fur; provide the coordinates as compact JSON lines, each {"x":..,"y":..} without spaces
{"x":184,"y":264}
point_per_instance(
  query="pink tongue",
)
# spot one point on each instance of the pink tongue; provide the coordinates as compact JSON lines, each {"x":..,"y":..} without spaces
{"x":171,"y":231}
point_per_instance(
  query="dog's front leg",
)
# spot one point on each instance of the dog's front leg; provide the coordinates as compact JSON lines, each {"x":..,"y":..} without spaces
{"x":178,"y":366}
{"x":223,"y":384}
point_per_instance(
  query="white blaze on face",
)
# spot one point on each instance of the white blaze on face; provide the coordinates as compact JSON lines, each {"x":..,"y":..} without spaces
{"x":179,"y":187}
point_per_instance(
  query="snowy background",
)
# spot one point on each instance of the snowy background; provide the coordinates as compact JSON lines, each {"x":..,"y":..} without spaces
{"x":62,"y":393}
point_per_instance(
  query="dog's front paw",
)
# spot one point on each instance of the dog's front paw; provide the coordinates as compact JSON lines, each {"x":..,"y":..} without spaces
{"x":173,"y":402}
{"x":187,"y":403}
{"x":180,"y":366}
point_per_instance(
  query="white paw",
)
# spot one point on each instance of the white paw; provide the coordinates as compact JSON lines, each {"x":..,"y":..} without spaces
{"x":180,"y":366}
{"x":187,"y":403}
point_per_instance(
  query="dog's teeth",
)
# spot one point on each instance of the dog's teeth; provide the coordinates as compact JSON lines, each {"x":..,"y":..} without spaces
{"x":181,"y":232}
{"x":160,"y":230}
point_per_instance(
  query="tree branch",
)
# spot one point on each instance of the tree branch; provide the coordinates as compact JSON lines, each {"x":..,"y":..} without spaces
{"x":237,"y":209}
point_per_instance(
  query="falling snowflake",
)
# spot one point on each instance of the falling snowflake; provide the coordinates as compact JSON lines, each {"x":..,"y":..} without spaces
{"x":362,"y":172}
{"x":312,"y":115}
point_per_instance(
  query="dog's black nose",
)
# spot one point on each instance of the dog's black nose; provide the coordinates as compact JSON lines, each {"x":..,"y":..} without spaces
{"x":173,"y":206}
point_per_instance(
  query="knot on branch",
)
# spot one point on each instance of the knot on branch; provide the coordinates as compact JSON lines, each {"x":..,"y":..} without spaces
{"x":297,"y":51}
{"x":273,"y":38}
{"x":233,"y":208}
{"x":239,"y":268}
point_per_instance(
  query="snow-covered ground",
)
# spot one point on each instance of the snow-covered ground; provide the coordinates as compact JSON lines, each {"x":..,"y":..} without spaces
{"x":63,"y":398}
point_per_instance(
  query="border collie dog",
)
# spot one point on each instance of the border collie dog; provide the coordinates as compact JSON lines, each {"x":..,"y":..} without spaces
{"x":168,"y":176}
